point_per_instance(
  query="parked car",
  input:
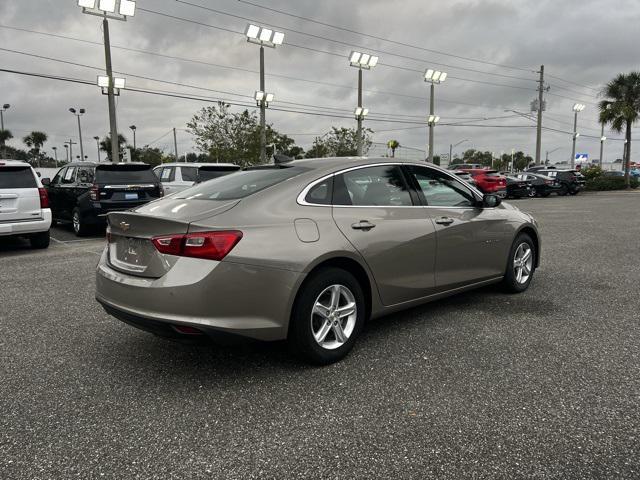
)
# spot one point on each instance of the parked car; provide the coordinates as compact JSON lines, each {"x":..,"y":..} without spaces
{"x":466,"y":176}
{"x":489,"y":181}
{"x":542,"y":185}
{"x":24,"y":204}
{"x":537,"y":168}
{"x":309,"y":250}
{"x":83,"y":192}
{"x":518,"y":187}
{"x":570,"y":181}
{"x":176,"y":177}
{"x":613,"y":173}
{"x":466,"y":166}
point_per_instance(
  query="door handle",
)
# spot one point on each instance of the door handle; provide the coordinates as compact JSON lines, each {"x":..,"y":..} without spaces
{"x":363,"y":225}
{"x":444,"y":221}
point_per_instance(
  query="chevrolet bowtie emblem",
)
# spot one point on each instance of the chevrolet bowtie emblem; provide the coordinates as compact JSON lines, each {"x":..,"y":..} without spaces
{"x":124,"y":226}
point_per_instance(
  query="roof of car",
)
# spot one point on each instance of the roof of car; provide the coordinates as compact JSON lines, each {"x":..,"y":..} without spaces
{"x":95,"y":164}
{"x":197,"y":164}
{"x":13,"y":162}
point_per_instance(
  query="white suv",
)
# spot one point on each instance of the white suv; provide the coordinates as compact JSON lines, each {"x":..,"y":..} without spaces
{"x":24,"y":204}
{"x":176,"y":177}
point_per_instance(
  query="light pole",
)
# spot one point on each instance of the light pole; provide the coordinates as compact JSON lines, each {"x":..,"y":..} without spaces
{"x":602,"y":140}
{"x":452,"y":146}
{"x":107,"y":9}
{"x":133,"y":129}
{"x":66,"y":147}
{"x":265,"y":37}
{"x":431,"y":122}
{"x":78,"y":114}
{"x":361,"y":61}
{"x":55,"y":154}
{"x":433,"y":76}
{"x":578,"y":107}
{"x":4,"y":108}
{"x":97,"y":139}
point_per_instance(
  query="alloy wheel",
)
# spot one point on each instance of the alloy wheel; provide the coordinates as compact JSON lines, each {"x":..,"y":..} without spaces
{"x":333,"y":317}
{"x":76,"y":222}
{"x":523,"y":263}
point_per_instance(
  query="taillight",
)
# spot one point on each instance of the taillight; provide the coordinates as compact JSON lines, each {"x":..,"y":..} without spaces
{"x":207,"y":245}
{"x":93,"y":193}
{"x":44,"y":198}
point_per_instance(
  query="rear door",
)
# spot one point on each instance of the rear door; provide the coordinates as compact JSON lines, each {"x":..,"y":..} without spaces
{"x":378,"y":213}
{"x":185,"y":178}
{"x":55,"y":194}
{"x":472,"y":243}
{"x":124,"y":186}
{"x":168,"y":177}
{"x":19,"y":197}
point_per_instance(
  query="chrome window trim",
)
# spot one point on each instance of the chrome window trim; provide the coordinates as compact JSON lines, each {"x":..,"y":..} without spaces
{"x":303,"y":194}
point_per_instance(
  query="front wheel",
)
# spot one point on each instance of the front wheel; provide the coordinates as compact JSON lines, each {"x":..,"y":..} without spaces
{"x":521,"y":264}
{"x":327,"y":317}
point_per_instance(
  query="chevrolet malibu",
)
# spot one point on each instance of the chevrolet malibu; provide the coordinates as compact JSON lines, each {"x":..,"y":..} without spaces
{"x":308,"y":250}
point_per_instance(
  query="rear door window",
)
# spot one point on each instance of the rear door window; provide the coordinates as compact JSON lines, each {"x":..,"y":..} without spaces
{"x":17,"y":177}
{"x":85,"y":175}
{"x":189,"y":174}
{"x":125,"y":174}
{"x":69,"y":176}
{"x":168,"y":174}
{"x":382,"y":185}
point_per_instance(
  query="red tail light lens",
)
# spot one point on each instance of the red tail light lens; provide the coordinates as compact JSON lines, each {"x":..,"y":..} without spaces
{"x":207,"y":245}
{"x":93,"y":193}
{"x":44,"y":198}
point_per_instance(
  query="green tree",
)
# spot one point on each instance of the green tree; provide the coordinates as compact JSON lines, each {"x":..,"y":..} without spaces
{"x":393,"y":145}
{"x":35,"y":140}
{"x":340,"y":142}
{"x":152,"y":156}
{"x":621,"y":109}
{"x":105,"y":145}
{"x":4,"y":136}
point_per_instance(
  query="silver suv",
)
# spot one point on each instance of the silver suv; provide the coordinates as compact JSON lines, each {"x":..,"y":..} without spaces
{"x":24,"y":204}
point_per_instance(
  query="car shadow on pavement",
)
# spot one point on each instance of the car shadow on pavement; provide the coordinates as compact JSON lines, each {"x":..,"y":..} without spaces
{"x":15,"y":245}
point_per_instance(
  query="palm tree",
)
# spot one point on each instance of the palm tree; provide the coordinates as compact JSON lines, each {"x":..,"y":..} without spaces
{"x":105,"y":144}
{"x":4,"y":136}
{"x":393,"y":144}
{"x":621,"y":109}
{"x":35,"y":140}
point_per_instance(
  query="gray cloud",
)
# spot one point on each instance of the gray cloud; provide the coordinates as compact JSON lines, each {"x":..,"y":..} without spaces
{"x":583,"y":41}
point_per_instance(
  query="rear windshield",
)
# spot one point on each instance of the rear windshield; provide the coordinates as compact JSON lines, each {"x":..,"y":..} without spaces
{"x":209,"y":173}
{"x":17,"y":177}
{"x":120,"y":174}
{"x":241,"y":184}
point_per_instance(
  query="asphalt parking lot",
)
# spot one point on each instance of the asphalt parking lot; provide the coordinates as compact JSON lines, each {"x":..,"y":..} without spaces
{"x":483,"y":385}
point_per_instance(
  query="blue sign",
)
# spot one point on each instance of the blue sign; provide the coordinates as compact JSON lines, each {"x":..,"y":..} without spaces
{"x":582,"y":157}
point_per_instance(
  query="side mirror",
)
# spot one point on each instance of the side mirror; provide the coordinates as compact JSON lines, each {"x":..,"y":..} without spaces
{"x":46,"y":182}
{"x":491,"y":201}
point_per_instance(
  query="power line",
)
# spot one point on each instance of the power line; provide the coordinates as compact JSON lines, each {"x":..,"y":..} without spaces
{"x":403,"y":44}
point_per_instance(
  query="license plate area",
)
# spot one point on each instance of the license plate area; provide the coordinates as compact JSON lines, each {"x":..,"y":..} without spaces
{"x":131,"y":196}
{"x":131,"y":254}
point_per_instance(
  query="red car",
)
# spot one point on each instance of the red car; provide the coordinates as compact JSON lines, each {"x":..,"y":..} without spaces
{"x":489,"y":181}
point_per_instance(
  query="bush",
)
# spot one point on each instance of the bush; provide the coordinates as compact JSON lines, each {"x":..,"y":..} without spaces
{"x":592,"y":172}
{"x":609,"y":183}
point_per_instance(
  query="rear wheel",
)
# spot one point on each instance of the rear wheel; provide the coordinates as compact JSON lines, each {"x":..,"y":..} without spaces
{"x":40,"y":240}
{"x":79,"y":226}
{"x":327,"y":317}
{"x":563,"y":190}
{"x":521,"y":264}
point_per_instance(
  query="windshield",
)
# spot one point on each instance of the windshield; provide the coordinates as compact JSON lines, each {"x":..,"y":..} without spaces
{"x":123,"y":174}
{"x":240,"y":184}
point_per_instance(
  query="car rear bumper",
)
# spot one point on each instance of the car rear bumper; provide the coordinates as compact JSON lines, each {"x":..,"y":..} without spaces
{"x":215,"y":297}
{"x":27,"y":227}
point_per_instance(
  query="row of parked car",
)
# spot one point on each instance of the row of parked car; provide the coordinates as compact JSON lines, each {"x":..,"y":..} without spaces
{"x":82,"y":193}
{"x":534,"y":182}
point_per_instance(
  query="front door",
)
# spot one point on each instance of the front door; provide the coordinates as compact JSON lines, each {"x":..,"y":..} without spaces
{"x":472,"y":243}
{"x":381,"y":217}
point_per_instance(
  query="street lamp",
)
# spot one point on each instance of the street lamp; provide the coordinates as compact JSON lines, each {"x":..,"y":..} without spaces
{"x":55,"y":154}
{"x":452,"y":146}
{"x":265,"y":37}
{"x":361,"y":61}
{"x":117,"y":10}
{"x":133,"y":129}
{"x":97,"y":139}
{"x":4,"y":108}
{"x":578,"y":107}
{"x":67,"y":149}
{"x":78,"y":114}
{"x":434,"y":77}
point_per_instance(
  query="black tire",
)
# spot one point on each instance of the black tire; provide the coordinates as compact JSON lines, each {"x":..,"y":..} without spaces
{"x":40,"y":240}
{"x":301,"y":338}
{"x":574,"y":191}
{"x":77,"y":223}
{"x":564,"y":190}
{"x":510,"y":282}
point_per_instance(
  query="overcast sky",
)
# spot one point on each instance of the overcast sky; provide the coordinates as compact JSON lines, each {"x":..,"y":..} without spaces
{"x":580,"y":41}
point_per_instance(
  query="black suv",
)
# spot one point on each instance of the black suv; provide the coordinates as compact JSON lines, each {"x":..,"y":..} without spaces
{"x":83,"y":192}
{"x":570,"y":181}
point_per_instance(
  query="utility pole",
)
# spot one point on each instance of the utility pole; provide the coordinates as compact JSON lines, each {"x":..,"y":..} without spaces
{"x":263,"y":107}
{"x":540,"y":108}
{"x":115,"y":156}
{"x":431,"y":124}
{"x":175,"y":144}
{"x":602,"y":139}
{"x":359,"y":129}
{"x":71,"y":143}
{"x":97,"y":139}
